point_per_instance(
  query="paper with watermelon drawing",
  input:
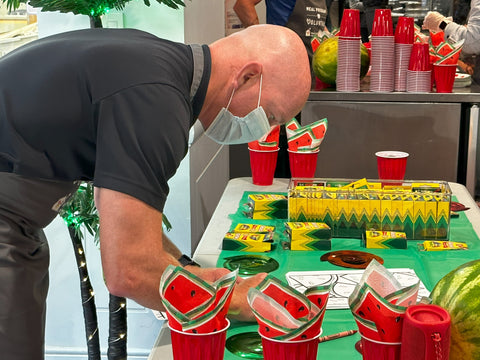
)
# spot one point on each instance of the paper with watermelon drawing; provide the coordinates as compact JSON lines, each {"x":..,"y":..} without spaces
{"x":305,"y":138}
{"x":285,"y":314}
{"x":378,"y":304}
{"x":269,"y":141}
{"x":194,"y":305}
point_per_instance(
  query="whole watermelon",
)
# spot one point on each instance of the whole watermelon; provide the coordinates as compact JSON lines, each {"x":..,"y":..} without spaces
{"x":459,"y":293}
{"x":324,"y":62}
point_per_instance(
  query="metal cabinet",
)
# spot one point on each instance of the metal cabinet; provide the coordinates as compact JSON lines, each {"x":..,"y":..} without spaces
{"x":430,"y":133}
{"x":440,"y":131}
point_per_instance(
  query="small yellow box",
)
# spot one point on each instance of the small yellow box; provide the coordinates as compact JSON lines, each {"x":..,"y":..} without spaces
{"x":267,"y":202}
{"x":310,"y":231}
{"x":250,"y":242}
{"x":311,"y":245}
{"x":385,"y":240}
{"x":253,"y":228}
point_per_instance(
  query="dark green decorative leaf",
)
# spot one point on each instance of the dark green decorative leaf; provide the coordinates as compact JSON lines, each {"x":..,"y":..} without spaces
{"x":166,"y":223}
{"x":93,"y":8}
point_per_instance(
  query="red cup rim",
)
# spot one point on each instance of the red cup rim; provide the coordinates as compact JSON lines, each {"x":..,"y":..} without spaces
{"x":346,"y":11}
{"x":380,"y":342}
{"x":419,"y":71}
{"x":342,"y":37}
{"x":446,"y":65}
{"x":264,"y":150}
{"x":290,"y":341}
{"x":397,"y":154}
{"x":204,"y":334}
{"x":303,"y":152}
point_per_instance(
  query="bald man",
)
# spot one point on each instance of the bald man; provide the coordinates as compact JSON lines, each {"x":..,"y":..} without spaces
{"x":114,"y":106}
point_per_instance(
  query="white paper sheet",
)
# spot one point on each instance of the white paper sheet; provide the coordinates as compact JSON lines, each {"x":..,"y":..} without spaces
{"x":344,"y":282}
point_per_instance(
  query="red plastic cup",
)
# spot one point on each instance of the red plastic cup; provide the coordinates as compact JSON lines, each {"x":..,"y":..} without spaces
{"x":444,"y":75}
{"x":303,"y":163}
{"x":378,"y":350}
{"x":426,"y":333}
{"x":419,"y":57}
{"x":350,"y":25}
{"x":188,"y":346}
{"x":405,"y":30}
{"x":382,"y":23}
{"x":391,"y":165}
{"x":262,"y":164}
{"x":289,"y":350}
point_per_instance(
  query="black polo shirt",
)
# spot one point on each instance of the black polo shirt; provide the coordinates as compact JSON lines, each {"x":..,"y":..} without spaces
{"x":108,"y":105}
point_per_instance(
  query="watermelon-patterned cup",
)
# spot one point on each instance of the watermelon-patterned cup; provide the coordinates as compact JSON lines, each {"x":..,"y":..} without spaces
{"x":189,"y":346}
{"x":262,"y":164}
{"x":378,"y":350}
{"x":303,"y":163}
{"x":290,"y":350}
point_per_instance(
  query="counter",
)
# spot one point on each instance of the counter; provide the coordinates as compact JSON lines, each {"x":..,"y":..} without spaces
{"x":470,"y":95}
{"x":440,"y":131}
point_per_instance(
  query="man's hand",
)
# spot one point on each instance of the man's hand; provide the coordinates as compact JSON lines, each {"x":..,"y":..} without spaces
{"x":208,"y":274}
{"x":432,"y":21}
{"x":239,"y":308}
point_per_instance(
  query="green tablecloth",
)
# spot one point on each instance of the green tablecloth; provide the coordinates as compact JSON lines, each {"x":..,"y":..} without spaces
{"x":429,"y":266}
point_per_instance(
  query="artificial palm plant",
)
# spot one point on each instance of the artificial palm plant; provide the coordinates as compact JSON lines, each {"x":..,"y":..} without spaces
{"x":94,"y":9}
{"x":80,"y":214}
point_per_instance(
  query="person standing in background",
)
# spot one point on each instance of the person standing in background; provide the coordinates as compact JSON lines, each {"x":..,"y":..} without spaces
{"x":434,"y":21}
{"x":368,"y":7}
{"x":358,"y":5}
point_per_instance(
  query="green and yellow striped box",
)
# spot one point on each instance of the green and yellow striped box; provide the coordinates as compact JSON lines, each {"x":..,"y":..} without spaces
{"x":308,"y":236}
{"x":420,"y":210}
{"x":385,"y":240}
{"x":253,"y":228}
{"x":267,"y":206}
{"x":249,"y":242}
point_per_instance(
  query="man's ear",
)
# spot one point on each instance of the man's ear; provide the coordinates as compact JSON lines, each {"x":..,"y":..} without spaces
{"x":249,"y":71}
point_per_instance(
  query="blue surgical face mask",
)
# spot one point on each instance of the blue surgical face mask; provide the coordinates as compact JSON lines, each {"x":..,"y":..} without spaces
{"x":227,"y":128}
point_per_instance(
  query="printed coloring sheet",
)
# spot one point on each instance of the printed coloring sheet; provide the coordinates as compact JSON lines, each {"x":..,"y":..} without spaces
{"x":344,"y":282}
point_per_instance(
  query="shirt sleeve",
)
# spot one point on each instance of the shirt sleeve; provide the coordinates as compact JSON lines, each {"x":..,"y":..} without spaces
{"x":142,"y":136}
{"x":471,"y":32}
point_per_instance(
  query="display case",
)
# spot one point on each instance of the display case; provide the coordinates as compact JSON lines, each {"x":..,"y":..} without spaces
{"x":421,"y":210}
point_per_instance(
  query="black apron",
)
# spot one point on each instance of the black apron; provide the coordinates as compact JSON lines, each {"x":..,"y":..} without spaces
{"x":307,"y":19}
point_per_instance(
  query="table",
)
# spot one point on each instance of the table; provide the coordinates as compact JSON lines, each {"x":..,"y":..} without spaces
{"x":209,"y":254}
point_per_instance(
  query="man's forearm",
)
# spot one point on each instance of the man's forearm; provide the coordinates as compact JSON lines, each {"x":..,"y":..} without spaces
{"x":246,"y":12}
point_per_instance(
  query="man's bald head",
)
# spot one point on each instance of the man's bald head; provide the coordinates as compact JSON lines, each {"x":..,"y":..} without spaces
{"x":274,"y":52}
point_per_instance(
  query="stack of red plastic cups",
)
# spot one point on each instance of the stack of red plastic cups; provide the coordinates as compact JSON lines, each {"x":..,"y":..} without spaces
{"x":383,"y":52}
{"x":404,"y":36}
{"x":419,"y":73}
{"x":348,"y":59}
